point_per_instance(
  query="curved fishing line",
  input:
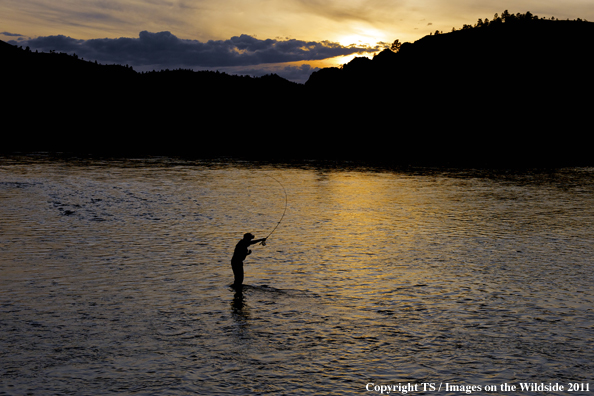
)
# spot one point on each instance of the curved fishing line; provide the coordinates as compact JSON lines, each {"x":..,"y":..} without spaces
{"x":284,"y":211}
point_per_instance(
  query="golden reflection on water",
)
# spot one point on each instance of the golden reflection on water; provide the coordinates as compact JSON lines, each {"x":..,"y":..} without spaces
{"x":466,"y":276}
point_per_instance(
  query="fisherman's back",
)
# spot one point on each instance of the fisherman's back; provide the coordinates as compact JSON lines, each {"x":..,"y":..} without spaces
{"x":241,"y":250}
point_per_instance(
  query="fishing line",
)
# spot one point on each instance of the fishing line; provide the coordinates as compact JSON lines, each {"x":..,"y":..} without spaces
{"x":263,"y":243}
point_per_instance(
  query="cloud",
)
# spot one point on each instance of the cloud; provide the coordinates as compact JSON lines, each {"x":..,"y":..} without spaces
{"x":296,"y":73}
{"x":165,"y":50}
{"x":338,"y":10}
{"x":19,"y":37}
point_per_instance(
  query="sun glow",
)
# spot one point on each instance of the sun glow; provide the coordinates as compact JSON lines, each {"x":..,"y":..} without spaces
{"x":360,"y":36}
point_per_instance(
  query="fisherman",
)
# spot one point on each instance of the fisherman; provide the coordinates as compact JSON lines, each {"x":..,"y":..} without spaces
{"x":240,"y":253}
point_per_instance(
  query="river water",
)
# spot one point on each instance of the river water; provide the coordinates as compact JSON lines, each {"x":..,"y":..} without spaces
{"x":115,"y":274}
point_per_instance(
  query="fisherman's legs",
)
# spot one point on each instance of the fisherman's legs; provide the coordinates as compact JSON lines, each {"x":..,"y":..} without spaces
{"x":237,"y":272}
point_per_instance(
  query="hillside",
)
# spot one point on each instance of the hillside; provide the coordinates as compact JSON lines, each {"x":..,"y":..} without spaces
{"x":513,"y":91}
{"x":69,"y":104}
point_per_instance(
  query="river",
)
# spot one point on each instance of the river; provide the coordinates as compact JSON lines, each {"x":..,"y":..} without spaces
{"x":115,"y":278}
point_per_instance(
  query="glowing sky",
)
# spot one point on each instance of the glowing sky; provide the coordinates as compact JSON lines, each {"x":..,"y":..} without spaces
{"x":290,"y":37}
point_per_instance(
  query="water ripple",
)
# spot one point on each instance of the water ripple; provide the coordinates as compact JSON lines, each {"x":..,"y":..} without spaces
{"x":114,"y":277}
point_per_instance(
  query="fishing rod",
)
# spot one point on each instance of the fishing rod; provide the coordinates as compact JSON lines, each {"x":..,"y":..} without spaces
{"x":263,"y":243}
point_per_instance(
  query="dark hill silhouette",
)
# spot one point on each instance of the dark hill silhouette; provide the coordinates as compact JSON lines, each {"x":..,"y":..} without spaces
{"x":522,"y":48}
{"x":67,"y":104}
{"x":507,"y":92}
{"x":513,"y":91}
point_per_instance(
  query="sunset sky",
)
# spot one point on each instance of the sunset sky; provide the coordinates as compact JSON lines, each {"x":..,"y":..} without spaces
{"x":288,"y":37}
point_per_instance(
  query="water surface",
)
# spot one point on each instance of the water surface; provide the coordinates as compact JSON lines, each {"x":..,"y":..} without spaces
{"x":115,"y":274}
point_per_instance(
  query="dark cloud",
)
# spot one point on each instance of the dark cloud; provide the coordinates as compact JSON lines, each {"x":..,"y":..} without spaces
{"x":165,"y":50}
{"x":296,"y":73}
{"x":11,"y":34}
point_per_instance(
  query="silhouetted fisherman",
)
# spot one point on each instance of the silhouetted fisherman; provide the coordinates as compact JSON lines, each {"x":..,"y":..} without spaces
{"x":240,"y":253}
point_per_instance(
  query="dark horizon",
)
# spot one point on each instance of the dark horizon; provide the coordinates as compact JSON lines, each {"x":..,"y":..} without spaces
{"x":492,"y":93}
{"x":162,"y":51}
